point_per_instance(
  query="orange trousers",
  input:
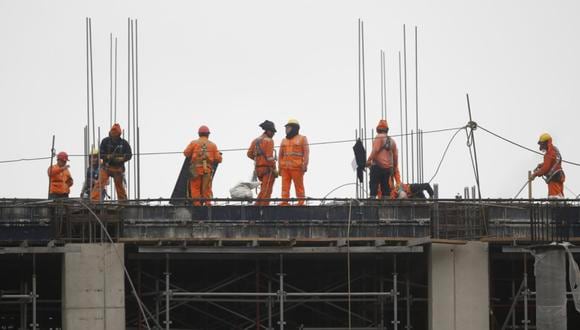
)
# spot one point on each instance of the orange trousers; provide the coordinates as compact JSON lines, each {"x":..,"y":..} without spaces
{"x":298,"y":177}
{"x":266,"y":185}
{"x":118,"y":174}
{"x":200,"y":187}
{"x":556,"y":190}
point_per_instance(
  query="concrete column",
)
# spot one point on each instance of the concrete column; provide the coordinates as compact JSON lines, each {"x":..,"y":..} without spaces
{"x":93,"y":288}
{"x":459,"y":286}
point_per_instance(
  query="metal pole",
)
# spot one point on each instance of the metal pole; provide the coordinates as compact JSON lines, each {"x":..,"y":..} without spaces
{"x":110,"y":79}
{"x":382,"y":87}
{"x":52,"y":152}
{"x":416,"y":94}
{"x":408,"y":311}
{"x":134,"y":124}
{"x":138,"y":146}
{"x":92,"y":80}
{"x":401,"y":118}
{"x":270,"y":306}
{"x":128,"y":130}
{"x":167,"y":293}
{"x":412,"y":158}
{"x":157,"y":301}
{"x":395,"y":295}
{"x":406,"y":112}
{"x":474,"y":150}
{"x":364,"y":98}
{"x":526,"y":293}
{"x":385,"y":82}
{"x":34,"y":296}
{"x":530,"y":195}
{"x":281,"y":293}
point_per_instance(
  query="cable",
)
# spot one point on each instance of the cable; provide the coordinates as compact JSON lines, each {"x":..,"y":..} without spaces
{"x":139,"y":302}
{"x":222,"y":150}
{"x":445,"y":153}
{"x":522,"y":146}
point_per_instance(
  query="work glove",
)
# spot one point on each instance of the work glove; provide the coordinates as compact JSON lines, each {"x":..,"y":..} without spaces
{"x":275,"y":173}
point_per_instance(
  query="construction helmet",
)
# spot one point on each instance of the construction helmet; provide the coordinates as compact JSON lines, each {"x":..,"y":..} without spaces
{"x":94,"y":151}
{"x":545,"y":137}
{"x":382,"y":124}
{"x":62,"y":156}
{"x":292,"y":121}
{"x":203,"y":130}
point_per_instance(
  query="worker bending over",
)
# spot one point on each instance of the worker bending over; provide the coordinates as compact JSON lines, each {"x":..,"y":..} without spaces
{"x":293,"y":161}
{"x":382,"y":161}
{"x":204,"y":157}
{"x":409,"y":190}
{"x":59,"y":177}
{"x":261,"y":151}
{"x":115,"y":152}
{"x":551,"y":168}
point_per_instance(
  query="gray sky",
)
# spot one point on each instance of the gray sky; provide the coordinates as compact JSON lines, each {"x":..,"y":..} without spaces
{"x":232,"y":64}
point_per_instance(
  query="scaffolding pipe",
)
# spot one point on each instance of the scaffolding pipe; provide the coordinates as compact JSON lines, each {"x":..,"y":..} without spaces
{"x":281,"y":292}
{"x":34,"y":296}
{"x":167,"y":293}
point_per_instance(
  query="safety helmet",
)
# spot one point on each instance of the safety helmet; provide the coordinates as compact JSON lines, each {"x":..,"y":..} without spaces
{"x":268,"y":126}
{"x":203,"y":130}
{"x":402,"y":194}
{"x":292,"y":121}
{"x":62,"y":156}
{"x":382,"y":124}
{"x":545,"y":137}
{"x":94,"y":151}
{"x":116,"y":130}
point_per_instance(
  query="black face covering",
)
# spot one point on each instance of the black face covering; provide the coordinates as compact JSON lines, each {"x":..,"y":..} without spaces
{"x":294,"y":129}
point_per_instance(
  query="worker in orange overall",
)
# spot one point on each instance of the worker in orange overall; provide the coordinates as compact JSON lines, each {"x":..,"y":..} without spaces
{"x":551,"y":168}
{"x":261,"y":151}
{"x":293,"y":161}
{"x":204,"y":156}
{"x":115,"y":152}
{"x":383,"y":161}
{"x":60,"y":178}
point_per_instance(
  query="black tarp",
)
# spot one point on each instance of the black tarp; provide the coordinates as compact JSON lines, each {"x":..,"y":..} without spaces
{"x":180,"y":190}
{"x":360,"y":156}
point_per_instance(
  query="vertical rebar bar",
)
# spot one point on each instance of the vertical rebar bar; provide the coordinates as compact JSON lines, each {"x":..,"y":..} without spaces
{"x":128,"y":130}
{"x":395,"y":295}
{"x":110,"y":79}
{"x":281,"y":293}
{"x":382,"y":87}
{"x":406,"y":104}
{"x":401,"y":119}
{"x":52,"y":153}
{"x":167,"y":293}
{"x":92,"y":79}
{"x":34,"y":296}
{"x":138,"y":182}
{"x":416,"y":91}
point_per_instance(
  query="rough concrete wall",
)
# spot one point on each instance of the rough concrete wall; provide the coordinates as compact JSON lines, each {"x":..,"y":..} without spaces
{"x":94,"y":288}
{"x":459,"y":287}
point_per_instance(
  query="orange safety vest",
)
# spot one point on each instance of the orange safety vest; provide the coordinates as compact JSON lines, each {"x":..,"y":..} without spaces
{"x":60,"y":180}
{"x":294,"y":153}
{"x":262,"y":152}
{"x":204,"y":155}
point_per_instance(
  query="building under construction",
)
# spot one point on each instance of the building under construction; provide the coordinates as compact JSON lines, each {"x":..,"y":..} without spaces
{"x":339,"y":264}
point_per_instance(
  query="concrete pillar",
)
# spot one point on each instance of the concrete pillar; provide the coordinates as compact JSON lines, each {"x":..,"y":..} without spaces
{"x":93,"y":288}
{"x":459,"y":286}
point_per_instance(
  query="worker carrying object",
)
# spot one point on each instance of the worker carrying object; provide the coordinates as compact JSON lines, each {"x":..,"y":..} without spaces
{"x":551,"y":168}
{"x":60,"y":178}
{"x":383,"y":161}
{"x":261,"y":151}
{"x":204,"y":156}
{"x":92,"y":175}
{"x":115,"y":152}
{"x":293,"y":161}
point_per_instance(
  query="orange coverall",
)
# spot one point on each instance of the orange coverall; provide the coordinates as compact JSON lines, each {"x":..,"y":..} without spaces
{"x":204,"y":156}
{"x":551,"y":166}
{"x":293,"y":163}
{"x":262,"y":152}
{"x":60,"y":180}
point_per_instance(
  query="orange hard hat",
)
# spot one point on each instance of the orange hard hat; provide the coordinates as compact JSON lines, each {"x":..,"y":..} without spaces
{"x":382,"y":124}
{"x":62,"y":156}
{"x":203,"y":130}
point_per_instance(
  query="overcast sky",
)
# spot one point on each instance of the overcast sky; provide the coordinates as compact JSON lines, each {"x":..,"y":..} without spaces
{"x":232,"y":64}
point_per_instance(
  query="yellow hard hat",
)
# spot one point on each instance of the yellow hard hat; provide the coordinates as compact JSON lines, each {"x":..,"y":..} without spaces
{"x":94,"y":151}
{"x":292,"y":121}
{"x":544,"y":138}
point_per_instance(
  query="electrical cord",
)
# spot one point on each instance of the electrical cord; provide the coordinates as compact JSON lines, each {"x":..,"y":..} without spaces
{"x":224,"y":150}
{"x":445,"y":152}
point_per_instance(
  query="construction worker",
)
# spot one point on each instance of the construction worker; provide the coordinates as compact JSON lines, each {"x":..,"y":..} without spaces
{"x":92,"y":175}
{"x":382,"y":161}
{"x":551,"y":168}
{"x":293,"y":162}
{"x":59,"y":177}
{"x":261,"y":151}
{"x":204,"y":157}
{"x":115,"y":152}
{"x":408,"y":190}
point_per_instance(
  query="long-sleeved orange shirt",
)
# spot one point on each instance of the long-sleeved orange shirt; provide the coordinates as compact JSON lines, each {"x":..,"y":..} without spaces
{"x":60,"y":180}
{"x":204,"y":160}
{"x":552,"y":161}
{"x":262,"y":151}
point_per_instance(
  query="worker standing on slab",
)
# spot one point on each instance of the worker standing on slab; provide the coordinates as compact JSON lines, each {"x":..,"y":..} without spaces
{"x":261,"y":151}
{"x":551,"y":168}
{"x":382,"y":161}
{"x":293,"y":161}
{"x":205,"y":157}
{"x":115,"y":152}
{"x":92,"y":175}
{"x":60,"y":178}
